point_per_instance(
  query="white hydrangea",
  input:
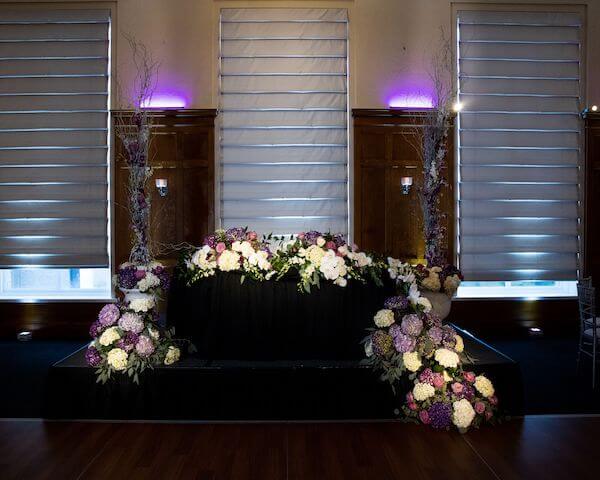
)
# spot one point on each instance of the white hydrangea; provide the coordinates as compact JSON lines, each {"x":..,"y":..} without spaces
{"x":412,"y":361}
{"x":229,"y":260}
{"x":432,"y":282}
{"x":460,"y":344}
{"x":314,"y":255}
{"x":117,"y":359}
{"x":260,"y":259}
{"x":425,"y":303}
{"x":142,"y":304}
{"x":245,"y":248}
{"x":109,"y":336}
{"x":332,"y":266}
{"x":484,"y":386}
{"x":446,"y":358}
{"x":172,"y":356}
{"x":384,"y":318}
{"x":463,"y":414}
{"x":423,"y":391}
{"x":148,"y":282}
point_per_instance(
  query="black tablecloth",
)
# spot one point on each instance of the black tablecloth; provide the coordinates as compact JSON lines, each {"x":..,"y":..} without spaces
{"x":272,"y":320}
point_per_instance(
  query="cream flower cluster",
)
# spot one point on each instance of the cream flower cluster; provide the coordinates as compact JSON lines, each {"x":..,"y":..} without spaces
{"x":142,"y":304}
{"x":109,"y":336}
{"x":205,"y":259}
{"x":423,"y":391}
{"x":117,"y":358}
{"x":148,"y":282}
{"x":384,"y":318}
{"x":484,"y":386}
{"x":228,"y":261}
{"x":412,"y":361}
{"x":451,"y":284}
{"x":172,"y":356}
{"x":463,"y":414}
{"x":333,"y":268}
{"x":446,"y":358}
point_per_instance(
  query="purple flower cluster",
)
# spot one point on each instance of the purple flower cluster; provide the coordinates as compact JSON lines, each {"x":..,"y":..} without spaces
{"x":95,"y":329}
{"x":144,"y":346}
{"x":109,"y":315}
{"x":440,"y":415}
{"x":236,"y":234}
{"x":127,"y":277}
{"x":128,"y":342}
{"x":93,"y":357}
{"x":404,"y":343}
{"x":131,"y":322}
{"x":211,"y":240}
{"x":163,"y":276}
{"x":399,"y":302}
{"x":382,"y":343}
{"x":411,"y":325}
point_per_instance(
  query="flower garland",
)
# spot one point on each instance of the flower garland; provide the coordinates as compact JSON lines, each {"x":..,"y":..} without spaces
{"x":314,"y":256}
{"x":410,"y":340}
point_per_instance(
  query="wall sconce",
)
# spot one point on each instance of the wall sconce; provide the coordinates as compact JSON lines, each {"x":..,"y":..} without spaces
{"x":162,"y":186}
{"x":406,"y":183}
{"x":594,"y":108}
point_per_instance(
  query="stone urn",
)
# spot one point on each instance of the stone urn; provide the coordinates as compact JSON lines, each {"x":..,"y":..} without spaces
{"x":440,"y":302}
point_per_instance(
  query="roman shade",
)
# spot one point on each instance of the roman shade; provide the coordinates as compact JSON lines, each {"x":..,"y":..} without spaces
{"x":284,"y":135}
{"x":520,"y":144}
{"x":54,"y":67}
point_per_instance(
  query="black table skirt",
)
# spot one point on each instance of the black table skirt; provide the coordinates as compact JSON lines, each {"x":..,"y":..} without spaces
{"x":272,"y":320}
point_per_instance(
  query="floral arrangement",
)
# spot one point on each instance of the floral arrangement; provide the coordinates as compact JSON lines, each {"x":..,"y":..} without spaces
{"x":313,"y":256}
{"x":151,"y":278}
{"x":409,"y":340}
{"x":445,"y":279}
{"x":236,"y":249}
{"x":128,"y":340}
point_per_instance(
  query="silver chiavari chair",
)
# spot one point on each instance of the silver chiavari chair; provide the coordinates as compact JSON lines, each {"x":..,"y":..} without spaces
{"x":589,"y":333}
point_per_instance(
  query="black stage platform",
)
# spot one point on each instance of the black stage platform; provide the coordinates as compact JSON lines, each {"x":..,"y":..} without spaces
{"x":199,"y":389}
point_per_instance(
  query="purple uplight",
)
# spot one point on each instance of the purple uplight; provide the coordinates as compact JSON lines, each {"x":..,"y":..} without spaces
{"x":164,"y":100}
{"x":411,"y":100}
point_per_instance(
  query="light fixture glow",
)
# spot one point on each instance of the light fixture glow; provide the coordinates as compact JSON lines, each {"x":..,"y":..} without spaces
{"x":164,"y":101}
{"x":162,"y":186}
{"x":406,"y":183}
{"x":411,"y":100}
{"x":457,"y":107}
{"x":594,"y":108}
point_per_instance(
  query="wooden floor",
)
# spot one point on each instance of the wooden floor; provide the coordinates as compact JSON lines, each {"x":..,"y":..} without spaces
{"x":531,"y":448}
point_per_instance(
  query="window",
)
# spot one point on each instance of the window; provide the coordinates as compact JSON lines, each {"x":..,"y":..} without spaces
{"x":284,"y":135}
{"x":519,"y":82}
{"x":54,"y":89}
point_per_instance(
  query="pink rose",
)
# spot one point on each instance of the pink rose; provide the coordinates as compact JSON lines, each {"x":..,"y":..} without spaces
{"x":469,"y":377}
{"x":479,"y":407}
{"x":301,"y":235}
{"x":493,"y":400}
{"x":330,"y":245}
{"x":457,"y":387}
{"x":438,"y":380}
{"x":139,"y":274}
{"x":488,"y":415}
{"x":413,"y":406}
{"x":221,"y":247}
{"x":410,"y":398}
{"x":354,"y":247}
{"x":424,"y":416}
{"x":338,"y":253}
{"x":252,"y":236}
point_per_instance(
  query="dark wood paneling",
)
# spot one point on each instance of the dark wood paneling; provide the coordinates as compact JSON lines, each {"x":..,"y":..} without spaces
{"x":182,"y":151}
{"x":386,"y":220}
{"x":591,"y":230}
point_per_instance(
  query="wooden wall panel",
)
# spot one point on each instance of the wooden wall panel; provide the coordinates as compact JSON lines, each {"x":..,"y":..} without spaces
{"x":386,"y":220}
{"x":591,"y":231}
{"x":182,"y":152}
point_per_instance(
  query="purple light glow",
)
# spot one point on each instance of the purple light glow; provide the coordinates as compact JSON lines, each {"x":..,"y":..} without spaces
{"x":411,"y":100}
{"x":164,"y":100}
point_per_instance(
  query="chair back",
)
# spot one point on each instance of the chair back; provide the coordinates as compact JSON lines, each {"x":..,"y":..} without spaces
{"x":587,"y":305}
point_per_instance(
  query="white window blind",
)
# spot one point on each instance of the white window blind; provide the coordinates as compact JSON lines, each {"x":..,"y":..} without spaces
{"x":53,"y":137}
{"x":520,"y":138}
{"x":284,"y":137}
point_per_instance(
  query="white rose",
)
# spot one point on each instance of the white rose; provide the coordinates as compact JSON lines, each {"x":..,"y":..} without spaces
{"x":412,"y":361}
{"x":446,"y":358}
{"x":484,"y":386}
{"x":463,"y":414}
{"x":247,"y":249}
{"x":384,"y":318}
{"x":172,"y":356}
{"x":142,"y":304}
{"x":341,"y":282}
{"x":320,"y":241}
{"x":361,"y":259}
{"x":260,"y":259}
{"x":332,"y":266}
{"x":423,"y":391}
{"x":117,"y":359}
{"x":344,"y":250}
{"x":109,"y":336}
{"x":228,"y":261}
{"x":204,"y":258}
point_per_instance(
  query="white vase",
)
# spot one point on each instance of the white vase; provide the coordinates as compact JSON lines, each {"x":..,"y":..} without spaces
{"x":134,"y":294}
{"x":440,"y":302}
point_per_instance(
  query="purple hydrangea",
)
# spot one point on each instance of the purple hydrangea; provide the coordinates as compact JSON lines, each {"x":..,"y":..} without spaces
{"x":211,"y":241}
{"x":404,"y":343}
{"x":436,"y":335}
{"x":382,"y":343}
{"x":144,"y":346}
{"x":448,"y":337}
{"x":128,"y":342}
{"x":131,"y":322}
{"x":426,"y":376}
{"x":432,"y":320}
{"x":140,"y":274}
{"x":468,"y":391}
{"x":236,"y":234}
{"x":162,"y":275}
{"x":127,"y":277}
{"x":396,"y":303}
{"x":339,"y":240}
{"x":311,"y":237}
{"x":93,"y":357}
{"x":412,"y":325}
{"x":395,"y":330}
{"x":440,"y":415}
{"x":109,"y":315}
{"x":95,"y":329}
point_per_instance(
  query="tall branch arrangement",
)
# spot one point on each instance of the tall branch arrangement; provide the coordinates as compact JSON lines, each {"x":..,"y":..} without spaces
{"x":132,"y":127}
{"x":430,"y":143}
